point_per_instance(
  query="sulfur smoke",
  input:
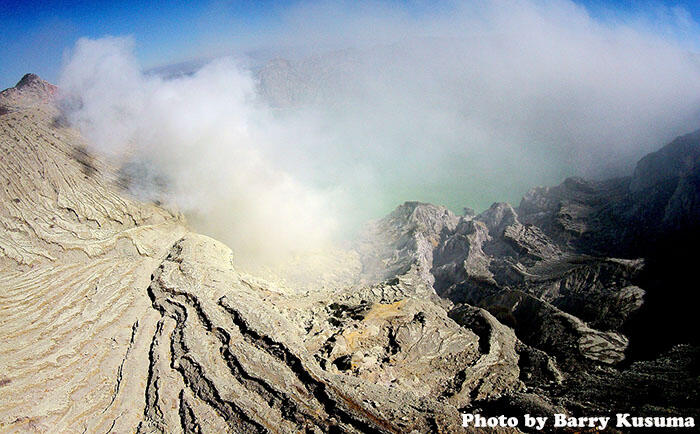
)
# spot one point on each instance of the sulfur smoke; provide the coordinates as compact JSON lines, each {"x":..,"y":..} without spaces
{"x":460,"y":106}
{"x":197,"y":138}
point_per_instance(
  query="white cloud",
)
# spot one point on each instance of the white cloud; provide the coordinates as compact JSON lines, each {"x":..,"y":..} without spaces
{"x":462,"y":105}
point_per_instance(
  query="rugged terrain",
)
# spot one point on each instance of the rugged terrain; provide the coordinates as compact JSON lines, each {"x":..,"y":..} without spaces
{"x":116,"y":317}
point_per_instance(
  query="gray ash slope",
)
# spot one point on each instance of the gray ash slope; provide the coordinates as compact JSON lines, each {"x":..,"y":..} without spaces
{"x":119,"y":317}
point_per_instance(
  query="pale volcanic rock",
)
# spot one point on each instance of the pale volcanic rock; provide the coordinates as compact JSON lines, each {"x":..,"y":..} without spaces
{"x":29,"y":91}
{"x":75,"y":329}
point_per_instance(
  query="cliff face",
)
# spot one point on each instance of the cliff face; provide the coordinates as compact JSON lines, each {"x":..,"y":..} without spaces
{"x":116,"y":317}
{"x":627,"y":216}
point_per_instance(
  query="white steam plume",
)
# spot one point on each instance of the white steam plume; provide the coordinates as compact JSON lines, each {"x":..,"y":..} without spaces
{"x":469,"y":104}
{"x":200,"y":135}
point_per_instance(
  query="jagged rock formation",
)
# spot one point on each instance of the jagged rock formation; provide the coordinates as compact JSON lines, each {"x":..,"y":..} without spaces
{"x":29,"y":91}
{"x":117,"y":318}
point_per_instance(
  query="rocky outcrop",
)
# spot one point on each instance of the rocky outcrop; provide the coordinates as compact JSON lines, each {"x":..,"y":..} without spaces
{"x":403,"y":242}
{"x":678,"y":159}
{"x":627,"y":216}
{"x":29,"y":91}
{"x":488,"y":259}
{"x":225,"y":346}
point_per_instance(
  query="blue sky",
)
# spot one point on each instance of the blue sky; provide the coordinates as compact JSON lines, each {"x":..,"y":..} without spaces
{"x":35,"y":35}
